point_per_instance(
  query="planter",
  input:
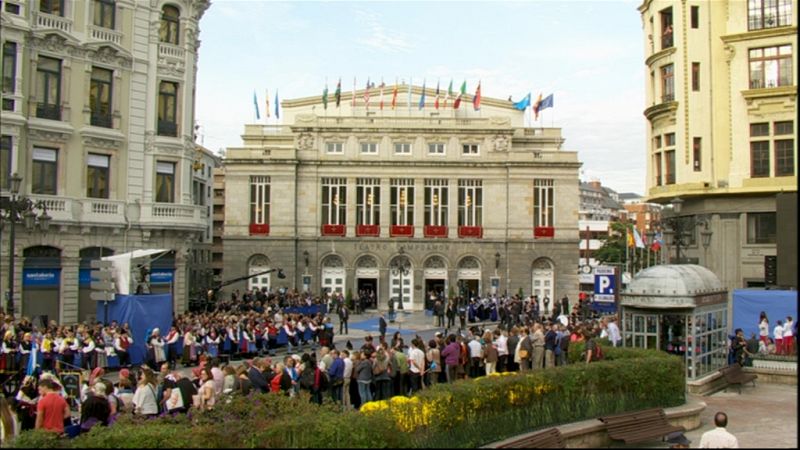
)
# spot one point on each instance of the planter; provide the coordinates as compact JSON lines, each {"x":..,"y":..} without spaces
{"x":435,"y":231}
{"x":470,"y":232}
{"x":333,"y":230}
{"x":544,"y":232}
{"x":401,"y":231}
{"x":259,"y":228}
{"x":368,"y":230}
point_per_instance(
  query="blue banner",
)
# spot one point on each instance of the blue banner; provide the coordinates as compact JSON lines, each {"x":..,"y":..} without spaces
{"x":161,"y":276}
{"x":84,"y":277}
{"x":41,"y":277}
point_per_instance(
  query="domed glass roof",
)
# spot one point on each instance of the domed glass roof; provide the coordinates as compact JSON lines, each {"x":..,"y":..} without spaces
{"x":674,"y":279}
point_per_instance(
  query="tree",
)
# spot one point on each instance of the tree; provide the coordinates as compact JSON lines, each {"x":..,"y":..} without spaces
{"x":613,"y":249}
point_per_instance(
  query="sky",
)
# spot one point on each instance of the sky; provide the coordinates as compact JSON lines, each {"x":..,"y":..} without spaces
{"x":588,"y":54}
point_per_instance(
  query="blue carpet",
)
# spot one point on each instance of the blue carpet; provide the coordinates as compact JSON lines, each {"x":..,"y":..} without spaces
{"x":372,"y":325}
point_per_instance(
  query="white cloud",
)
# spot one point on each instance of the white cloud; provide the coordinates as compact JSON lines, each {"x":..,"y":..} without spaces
{"x":378,"y":37}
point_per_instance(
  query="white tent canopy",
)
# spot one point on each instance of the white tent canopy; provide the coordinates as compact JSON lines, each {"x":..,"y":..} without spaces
{"x":121,"y":267}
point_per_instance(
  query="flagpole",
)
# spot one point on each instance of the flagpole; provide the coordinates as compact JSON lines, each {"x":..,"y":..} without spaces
{"x":627,"y":248}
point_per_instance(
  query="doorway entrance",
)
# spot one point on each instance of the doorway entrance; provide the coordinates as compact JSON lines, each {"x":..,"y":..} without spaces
{"x":434,"y":290}
{"x":367,"y":293}
{"x":469,"y":289}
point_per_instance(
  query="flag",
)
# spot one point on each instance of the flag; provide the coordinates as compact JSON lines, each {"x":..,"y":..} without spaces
{"x":476,"y":101}
{"x":524,"y":103}
{"x":277,"y":106}
{"x":436,"y":103}
{"x":325,"y":97}
{"x":383,"y":85}
{"x":366,"y":95}
{"x":32,"y":357}
{"x":629,"y":237}
{"x":449,"y":94}
{"x":461,"y":94}
{"x":255,"y":103}
{"x":338,"y":93}
{"x":354,"y":93}
{"x":266,"y":102}
{"x":543,"y":104}
{"x":535,"y":108}
{"x":422,"y":97}
{"x":394,"y":94}
{"x":637,"y":238}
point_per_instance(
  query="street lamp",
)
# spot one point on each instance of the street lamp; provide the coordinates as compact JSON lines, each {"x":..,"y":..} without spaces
{"x":15,"y":208}
{"x":681,"y":228}
{"x":401,"y":267}
{"x":496,"y":261}
{"x":305,"y":258}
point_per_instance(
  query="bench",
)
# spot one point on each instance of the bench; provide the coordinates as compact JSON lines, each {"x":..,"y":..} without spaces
{"x":735,"y":375}
{"x":550,"y":438}
{"x":639,"y":426}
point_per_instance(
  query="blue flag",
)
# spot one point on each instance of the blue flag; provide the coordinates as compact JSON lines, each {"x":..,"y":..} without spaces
{"x":255,"y":103}
{"x":277,"y":105}
{"x":524,"y":103}
{"x":422,"y":98}
{"x":546,"y":103}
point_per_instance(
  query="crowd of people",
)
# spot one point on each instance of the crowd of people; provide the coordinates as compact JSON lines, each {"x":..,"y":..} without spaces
{"x":783,"y":341}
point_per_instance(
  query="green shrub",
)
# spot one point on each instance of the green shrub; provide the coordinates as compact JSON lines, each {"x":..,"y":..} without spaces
{"x":40,"y":439}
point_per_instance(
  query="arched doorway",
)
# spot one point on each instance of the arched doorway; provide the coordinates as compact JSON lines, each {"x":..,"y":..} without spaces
{"x":543,"y":280}
{"x":333,"y":274}
{"x":41,"y":282}
{"x":398,"y":278}
{"x":435,"y":276}
{"x":258,"y":263}
{"x":469,"y":277}
{"x":87,"y":308}
{"x":367,"y":279}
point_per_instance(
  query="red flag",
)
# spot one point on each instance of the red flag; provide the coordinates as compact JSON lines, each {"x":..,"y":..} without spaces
{"x":394,"y":95}
{"x":383,"y":85}
{"x":366,"y":95}
{"x":436,"y":103}
{"x":476,"y":101}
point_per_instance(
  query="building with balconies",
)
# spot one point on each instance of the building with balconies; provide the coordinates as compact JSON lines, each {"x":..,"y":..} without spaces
{"x":598,"y":208}
{"x":97,"y":119}
{"x":721,"y":124}
{"x":343,"y":198}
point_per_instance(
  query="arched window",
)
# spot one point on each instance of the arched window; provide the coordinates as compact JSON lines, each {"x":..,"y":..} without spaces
{"x":257,"y":264}
{"x":170,"y":17}
{"x":333,"y":274}
{"x":543,"y":275}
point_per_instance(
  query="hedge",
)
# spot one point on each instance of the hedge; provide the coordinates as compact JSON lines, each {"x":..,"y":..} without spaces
{"x":462,"y":414}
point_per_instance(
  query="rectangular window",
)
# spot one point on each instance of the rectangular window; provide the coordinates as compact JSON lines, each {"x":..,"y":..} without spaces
{"x":667,"y":83}
{"x":470,"y":203}
{"x":695,"y":12}
{"x":12,"y":8}
{"x":334,"y":201}
{"x":100,"y":97}
{"x":9,"y":67}
{"x":45,"y":171}
{"x":470,"y":149}
{"x":768,"y":14}
{"x":697,"y":156}
{"x":368,"y":201}
{"x":369,"y":148}
{"x":48,"y":88}
{"x":761,"y":228}
{"x":669,"y":139}
{"x":104,"y":13}
{"x":543,"y":196}
{"x":5,"y":161}
{"x":55,"y":7}
{"x":784,"y":157}
{"x":657,"y":164}
{"x":436,"y":202}
{"x":759,"y":129}
{"x":666,"y":28}
{"x":403,"y":148}
{"x":334,"y":148}
{"x":695,"y":76}
{"x":759,"y":159}
{"x":436,"y":149}
{"x":402,"y":196}
{"x":670,"y":166}
{"x":198,"y":193}
{"x":259,"y":199}
{"x":168,"y":109}
{"x":165,"y":182}
{"x":658,"y":141}
{"x":97,"y":176}
{"x":771,"y":67}
{"x":785,"y":127}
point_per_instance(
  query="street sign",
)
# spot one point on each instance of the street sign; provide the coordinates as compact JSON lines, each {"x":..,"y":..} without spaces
{"x":102,"y":296}
{"x":102,"y":285}
{"x":605,"y":284}
{"x":100,"y":264}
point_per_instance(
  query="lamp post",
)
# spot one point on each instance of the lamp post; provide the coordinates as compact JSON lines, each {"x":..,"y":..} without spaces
{"x":681,"y":228}
{"x":401,"y":267}
{"x":15,"y":208}
{"x":650,"y":236}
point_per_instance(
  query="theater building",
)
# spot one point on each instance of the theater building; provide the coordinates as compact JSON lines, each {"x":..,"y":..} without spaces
{"x":343,"y":199}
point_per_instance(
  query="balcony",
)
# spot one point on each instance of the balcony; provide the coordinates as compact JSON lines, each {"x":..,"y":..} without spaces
{"x":48,"y":111}
{"x":544,"y":232}
{"x":166,"y":128}
{"x":334,"y":230}
{"x":470,"y":232}
{"x":434,"y":231}
{"x":170,"y":51}
{"x":50,"y":21}
{"x":101,"y":34}
{"x":368,"y":230}
{"x":401,"y":231}
{"x":102,"y":120}
{"x":666,"y":98}
{"x":173,"y":215}
{"x":259,"y":229}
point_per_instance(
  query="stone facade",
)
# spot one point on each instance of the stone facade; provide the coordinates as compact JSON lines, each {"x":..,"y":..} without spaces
{"x":490,"y":148}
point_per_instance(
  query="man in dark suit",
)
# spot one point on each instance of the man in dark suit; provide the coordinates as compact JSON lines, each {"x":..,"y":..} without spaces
{"x":344,"y":315}
{"x":382,"y":326}
{"x":256,"y":377}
